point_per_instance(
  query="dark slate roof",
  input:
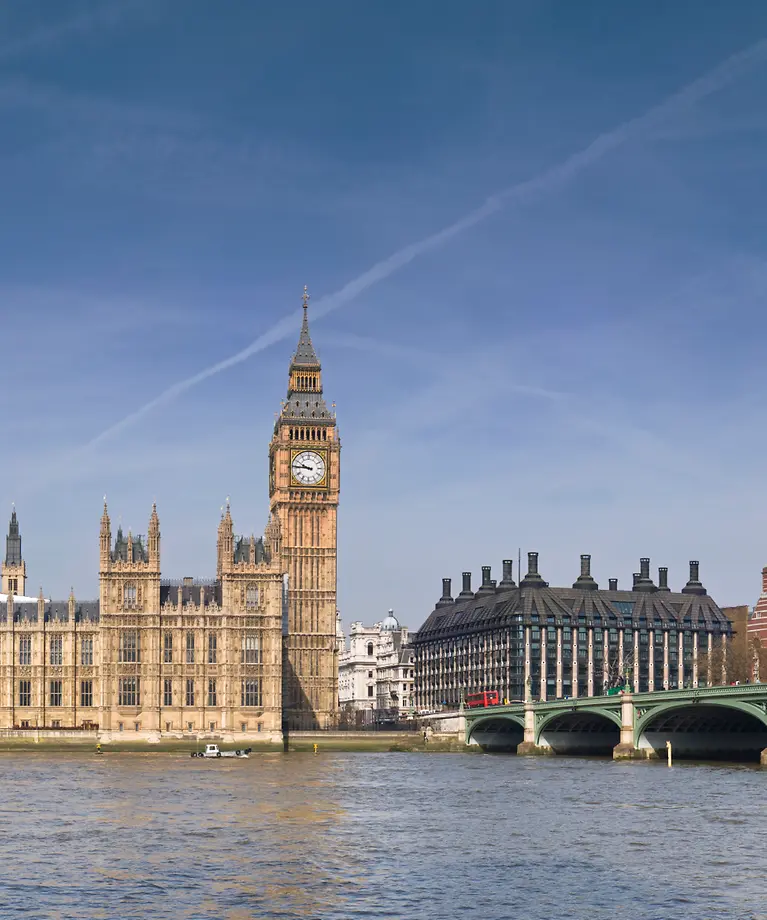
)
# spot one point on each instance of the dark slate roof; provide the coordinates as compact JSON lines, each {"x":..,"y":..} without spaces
{"x":242,"y":549}
{"x":543,"y":605}
{"x":190,"y":592}
{"x":26,"y":612}
{"x":88,"y":611}
{"x":305,"y":356}
{"x":55,"y":611}
{"x":133,"y":552}
{"x":309,"y":407}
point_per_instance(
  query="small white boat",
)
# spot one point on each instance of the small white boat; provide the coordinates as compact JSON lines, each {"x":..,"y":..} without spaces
{"x":213,"y":750}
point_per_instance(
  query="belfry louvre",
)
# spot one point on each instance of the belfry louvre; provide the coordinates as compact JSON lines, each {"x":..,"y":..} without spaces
{"x":565,"y":642}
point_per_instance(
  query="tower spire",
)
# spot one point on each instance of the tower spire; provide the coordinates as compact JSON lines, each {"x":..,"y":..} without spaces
{"x":13,"y":541}
{"x":305,"y":357}
{"x":14,"y":569}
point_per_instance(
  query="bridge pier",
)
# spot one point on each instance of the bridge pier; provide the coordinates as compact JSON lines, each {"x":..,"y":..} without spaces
{"x":625,"y":749}
{"x":763,"y":758}
{"x":528,"y":746}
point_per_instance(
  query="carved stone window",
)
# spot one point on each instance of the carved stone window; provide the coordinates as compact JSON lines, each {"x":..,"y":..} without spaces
{"x":25,"y":650}
{"x":25,"y":693}
{"x":56,"y":651}
{"x":128,"y":692}
{"x":86,"y":651}
{"x":128,"y":651}
{"x":167,"y":648}
{"x":55,"y":697}
{"x":130,"y":596}
{"x":251,"y":596}
{"x":251,"y":649}
{"x":251,"y":692}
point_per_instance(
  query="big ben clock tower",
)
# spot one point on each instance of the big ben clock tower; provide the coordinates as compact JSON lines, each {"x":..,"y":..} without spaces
{"x":304,"y":476}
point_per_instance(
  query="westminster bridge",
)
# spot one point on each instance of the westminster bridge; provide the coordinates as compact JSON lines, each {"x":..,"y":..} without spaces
{"x":702,"y":722}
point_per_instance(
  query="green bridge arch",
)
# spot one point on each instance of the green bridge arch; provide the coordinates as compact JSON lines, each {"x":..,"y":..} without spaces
{"x":641,"y":722}
{"x":583,"y":711}
{"x":477,"y":724}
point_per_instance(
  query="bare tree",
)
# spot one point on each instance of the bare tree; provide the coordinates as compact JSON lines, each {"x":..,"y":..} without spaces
{"x":732,"y":663}
{"x":615,"y":675}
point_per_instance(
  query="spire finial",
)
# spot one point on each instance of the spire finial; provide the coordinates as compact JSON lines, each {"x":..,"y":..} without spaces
{"x":306,"y":298}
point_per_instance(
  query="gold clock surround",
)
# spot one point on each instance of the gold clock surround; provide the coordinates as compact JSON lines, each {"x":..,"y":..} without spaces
{"x":323,"y":483}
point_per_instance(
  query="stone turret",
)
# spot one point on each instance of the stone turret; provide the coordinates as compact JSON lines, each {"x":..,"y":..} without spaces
{"x":14,"y":567}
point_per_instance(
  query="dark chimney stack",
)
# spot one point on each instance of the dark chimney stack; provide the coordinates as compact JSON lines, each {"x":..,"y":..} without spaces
{"x":508,"y":578}
{"x":636,"y":576}
{"x":533,"y":578}
{"x":487,"y":584}
{"x":466,"y":590}
{"x":613,"y":583}
{"x":663,"y":579}
{"x":694,"y":586}
{"x":585,"y":582}
{"x":446,"y":596}
{"x":644,"y":582}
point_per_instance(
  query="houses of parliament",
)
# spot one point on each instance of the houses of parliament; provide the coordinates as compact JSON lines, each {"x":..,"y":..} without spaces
{"x":249,"y":653}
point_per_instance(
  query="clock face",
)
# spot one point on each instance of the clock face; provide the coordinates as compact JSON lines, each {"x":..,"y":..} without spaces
{"x":308,"y":467}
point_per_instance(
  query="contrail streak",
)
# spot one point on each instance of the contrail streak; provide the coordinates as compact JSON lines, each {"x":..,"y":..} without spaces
{"x":704,"y":86}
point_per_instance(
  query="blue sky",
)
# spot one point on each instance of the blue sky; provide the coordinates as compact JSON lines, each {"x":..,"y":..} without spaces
{"x":576,"y":367}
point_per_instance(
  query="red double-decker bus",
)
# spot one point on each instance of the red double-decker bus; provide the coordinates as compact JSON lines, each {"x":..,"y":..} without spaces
{"x":485,"y":698}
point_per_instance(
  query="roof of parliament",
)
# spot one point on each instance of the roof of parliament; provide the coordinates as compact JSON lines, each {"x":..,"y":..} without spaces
{"x":645,"y":606}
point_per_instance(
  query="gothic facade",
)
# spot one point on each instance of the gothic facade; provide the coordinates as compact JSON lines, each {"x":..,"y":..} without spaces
{"x":246,"y":653}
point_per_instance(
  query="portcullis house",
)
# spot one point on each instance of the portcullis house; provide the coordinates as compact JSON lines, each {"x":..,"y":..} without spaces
{"x":566,"y":642}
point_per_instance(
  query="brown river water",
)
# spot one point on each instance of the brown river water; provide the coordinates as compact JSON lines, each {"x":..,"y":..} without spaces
{"x":407,"y":836}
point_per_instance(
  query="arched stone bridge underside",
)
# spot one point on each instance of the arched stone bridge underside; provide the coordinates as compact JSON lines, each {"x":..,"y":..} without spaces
{"x":703,"y":723}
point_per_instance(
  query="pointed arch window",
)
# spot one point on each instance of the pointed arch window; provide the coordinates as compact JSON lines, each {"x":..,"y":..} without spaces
{"x":251,"y":596}
{"x":251,"y":649}
{"x":129,"y":595}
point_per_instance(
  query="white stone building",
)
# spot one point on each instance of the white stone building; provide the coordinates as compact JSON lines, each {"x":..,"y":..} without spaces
{"x":376,"y":673}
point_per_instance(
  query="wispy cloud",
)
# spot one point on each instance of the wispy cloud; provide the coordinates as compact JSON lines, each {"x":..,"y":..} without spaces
{"x":550,"y":179}
{"x":95,"y":17}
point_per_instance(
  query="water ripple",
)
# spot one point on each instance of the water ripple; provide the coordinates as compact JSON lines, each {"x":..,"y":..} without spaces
{"x":352,"y":836}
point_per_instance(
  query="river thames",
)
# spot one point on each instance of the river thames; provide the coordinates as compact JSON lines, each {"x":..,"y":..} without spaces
{"x":380,"y":836}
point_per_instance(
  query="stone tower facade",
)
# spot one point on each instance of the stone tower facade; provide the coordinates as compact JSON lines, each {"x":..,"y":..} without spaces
{"x":304,"y":482}
{"x":14,"y":567}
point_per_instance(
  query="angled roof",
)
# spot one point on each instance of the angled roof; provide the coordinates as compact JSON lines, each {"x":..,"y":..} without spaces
{"x":306,"y":404}
{"x":540,"y":604}
{"x":307,"y":407}
{"x":305,"y":356}
{"x":188,"y":591}
{"x":55,"y":611}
